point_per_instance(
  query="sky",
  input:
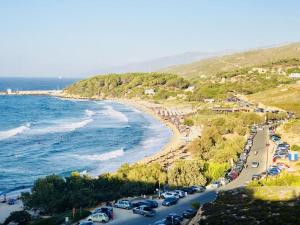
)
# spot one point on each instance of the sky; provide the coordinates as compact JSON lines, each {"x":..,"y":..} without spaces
{"x":72,"y":38}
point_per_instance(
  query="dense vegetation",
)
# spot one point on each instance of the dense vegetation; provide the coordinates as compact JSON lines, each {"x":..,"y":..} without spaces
{"x":129,"y":85}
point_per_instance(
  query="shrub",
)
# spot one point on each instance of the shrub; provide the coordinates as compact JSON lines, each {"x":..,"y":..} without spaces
{"x":196,"y":205}
{"x":188,"y":122}
{"x":295,"y":147}
{"x":19,"y":217}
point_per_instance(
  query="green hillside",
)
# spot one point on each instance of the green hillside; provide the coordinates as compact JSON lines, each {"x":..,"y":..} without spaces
{"x":213,"y":66}
{"x":130,"y":85}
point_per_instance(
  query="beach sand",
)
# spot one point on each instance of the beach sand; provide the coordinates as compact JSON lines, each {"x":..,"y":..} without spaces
{"x":176,"y":140}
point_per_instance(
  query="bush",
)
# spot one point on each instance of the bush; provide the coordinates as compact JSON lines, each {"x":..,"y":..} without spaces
{"x":295,"y":147}
{"x":19,"y":217}
{"x":196,"y":205}
{"x":186,"y":173}
{"x":188,"y":122}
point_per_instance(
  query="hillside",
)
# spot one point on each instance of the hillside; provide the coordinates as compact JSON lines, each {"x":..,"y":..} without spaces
{"x":130,"y":85}
{"x":285,"y":97}
{"x":212,"y":66}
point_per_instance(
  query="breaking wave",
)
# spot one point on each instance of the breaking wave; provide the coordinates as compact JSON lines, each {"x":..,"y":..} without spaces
{"x":111,"y":112}
{"x":103,"y":156}
{"x":61,"y":127}
{"x":13,"y":132}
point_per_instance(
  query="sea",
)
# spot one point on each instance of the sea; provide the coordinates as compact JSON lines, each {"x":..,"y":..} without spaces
{"x":43,"y":135}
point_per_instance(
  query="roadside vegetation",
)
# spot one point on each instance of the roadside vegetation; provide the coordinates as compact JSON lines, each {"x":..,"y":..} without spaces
{"x":283,"y":179}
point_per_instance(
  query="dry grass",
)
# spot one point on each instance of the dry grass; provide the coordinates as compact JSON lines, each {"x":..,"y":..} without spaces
{"x":286,"y":97}
{"x":209,"y":67}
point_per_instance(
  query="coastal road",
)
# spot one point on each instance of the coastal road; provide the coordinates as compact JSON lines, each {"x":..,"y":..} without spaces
{"x":263,"y":157}
{"x":126,"y":217}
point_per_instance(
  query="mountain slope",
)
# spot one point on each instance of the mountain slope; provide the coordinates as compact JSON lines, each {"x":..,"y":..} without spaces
{"x":160,"y":63}
{"x":212,"y":66}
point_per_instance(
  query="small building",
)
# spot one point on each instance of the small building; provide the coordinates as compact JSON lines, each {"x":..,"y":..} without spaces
{"x":294,"y":75}
{"x":8,"y":91}
{"x":209,"y":100}
{"x":190,"y":89}
{"x":149,"y":92}
{"x":232,"y":99}
{"x":260,"y":70}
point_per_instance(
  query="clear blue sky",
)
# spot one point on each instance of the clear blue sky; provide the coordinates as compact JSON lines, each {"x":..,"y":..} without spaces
{"x":76,"y":37}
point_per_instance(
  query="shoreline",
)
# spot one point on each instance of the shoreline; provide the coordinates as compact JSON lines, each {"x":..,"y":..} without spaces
{"x":176,"y":141}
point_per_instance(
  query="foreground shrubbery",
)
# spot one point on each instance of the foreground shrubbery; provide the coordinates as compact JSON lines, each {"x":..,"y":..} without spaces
{"x":240,"y":207}
{"x":19,"y":217}
{"x":54,"y":194}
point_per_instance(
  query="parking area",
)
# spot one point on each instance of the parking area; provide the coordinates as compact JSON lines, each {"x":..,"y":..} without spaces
{"x":256,"y":150}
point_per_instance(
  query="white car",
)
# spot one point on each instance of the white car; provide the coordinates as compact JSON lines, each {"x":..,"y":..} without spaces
{"x":214,"y":185}
{"x":170,"y":194}
{"x":254,"y":164}
{"x":180,"y":193}
{"x":98,"y":217}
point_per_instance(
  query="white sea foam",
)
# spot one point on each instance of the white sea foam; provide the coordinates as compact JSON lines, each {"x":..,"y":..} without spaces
{"x":102,"y":157}
{"x":65,"y":126}
{"x":13,"y":132}
{"x":89,"y":113}
{"x":111,"y":112}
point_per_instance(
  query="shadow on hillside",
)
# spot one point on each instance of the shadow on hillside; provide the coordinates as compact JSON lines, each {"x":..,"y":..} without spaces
{"x":253,"y":206}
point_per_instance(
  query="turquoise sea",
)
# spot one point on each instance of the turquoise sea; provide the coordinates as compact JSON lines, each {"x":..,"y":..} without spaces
{"x":42,"y":135}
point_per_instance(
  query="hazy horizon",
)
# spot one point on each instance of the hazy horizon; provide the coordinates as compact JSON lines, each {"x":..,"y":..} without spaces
{"x":81,"y":38}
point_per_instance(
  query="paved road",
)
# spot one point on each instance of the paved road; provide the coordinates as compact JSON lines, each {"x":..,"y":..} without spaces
{"x":263,"y":158}
{"x":126,"y":217}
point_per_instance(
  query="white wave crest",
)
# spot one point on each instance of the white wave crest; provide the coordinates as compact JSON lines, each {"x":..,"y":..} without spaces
{"x":110,"y":111}
{"x":89,"y":113}
{"x":103,"y":156}
{"x":13,"y":132}
{"x":62,"y":127}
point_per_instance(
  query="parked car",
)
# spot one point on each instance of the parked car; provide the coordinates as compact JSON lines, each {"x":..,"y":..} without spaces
{"x":148,"y":202}
{"x":174,"y":216}
{"x":254,"y":164}
{"x":256,"y":177}
{"x":107,"y":210}
{"x":180,"y":193}
{"x":170,"y":194}
{"x":169,"y":201}
{"x":123,"y":204}
{"x":198,"y":188}
{"x":168,"y":222}
{"x":86,"y":223}
{"x":188,"y":190}
{"x":98,"y":217}
{"x":11,"y":201}
{"x":143,"y":210}
{"x":213,"y":185}
{"x":189,"y":213}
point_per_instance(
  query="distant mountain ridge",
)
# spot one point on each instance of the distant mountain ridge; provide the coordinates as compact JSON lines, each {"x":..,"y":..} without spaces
{"x":161,"y":62}
{"x":215,"y":65}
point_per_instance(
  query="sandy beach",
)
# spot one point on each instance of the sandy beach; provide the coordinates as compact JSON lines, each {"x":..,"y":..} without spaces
{"x":176,"y":140}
